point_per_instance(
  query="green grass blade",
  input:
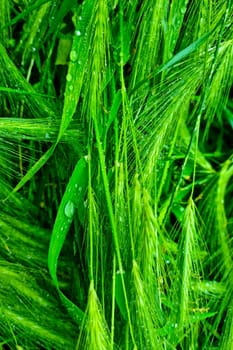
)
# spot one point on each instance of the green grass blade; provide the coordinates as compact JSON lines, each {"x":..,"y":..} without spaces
{"x":35,"y":168}
{"x":71,"y":200}
{"x":77,"y":65}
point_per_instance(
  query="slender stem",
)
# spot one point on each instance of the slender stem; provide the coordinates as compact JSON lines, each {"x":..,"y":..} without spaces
{"x":112,"y":220}
{"x":113,"y":301}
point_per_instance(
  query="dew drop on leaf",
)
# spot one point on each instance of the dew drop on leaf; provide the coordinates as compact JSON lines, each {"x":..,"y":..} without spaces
{"x":69,"y":209}
{"x":69,"y":77}
{"x":78,"y":33}
{"x":73,"y":55}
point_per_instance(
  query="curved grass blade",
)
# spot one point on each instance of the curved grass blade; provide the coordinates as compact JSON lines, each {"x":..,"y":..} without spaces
{"x":34,"y":169}
{"x":78,"y":60}
{"x":71,"y":200}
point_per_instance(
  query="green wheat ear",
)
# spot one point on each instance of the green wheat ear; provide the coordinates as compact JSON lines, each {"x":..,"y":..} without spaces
{"x":115,"y":174}
{"x":94,"y":332}
{"x":146,"y":312}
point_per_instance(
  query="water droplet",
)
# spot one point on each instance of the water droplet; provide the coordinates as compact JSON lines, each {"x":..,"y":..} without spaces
{"x":69,"y":77}
{"x":183,"y":10}
{"x":73,"y":55}
{"x":71,"y":87}
{"x":77,"y":32}
{"x":69,"y":209}
{"x":87,"y":158}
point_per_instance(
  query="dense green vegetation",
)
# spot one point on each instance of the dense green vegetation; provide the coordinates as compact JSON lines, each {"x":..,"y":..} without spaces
{"x":116,"y":166}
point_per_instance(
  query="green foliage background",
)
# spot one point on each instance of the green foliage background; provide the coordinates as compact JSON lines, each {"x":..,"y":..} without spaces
{"x":116,"y":170}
